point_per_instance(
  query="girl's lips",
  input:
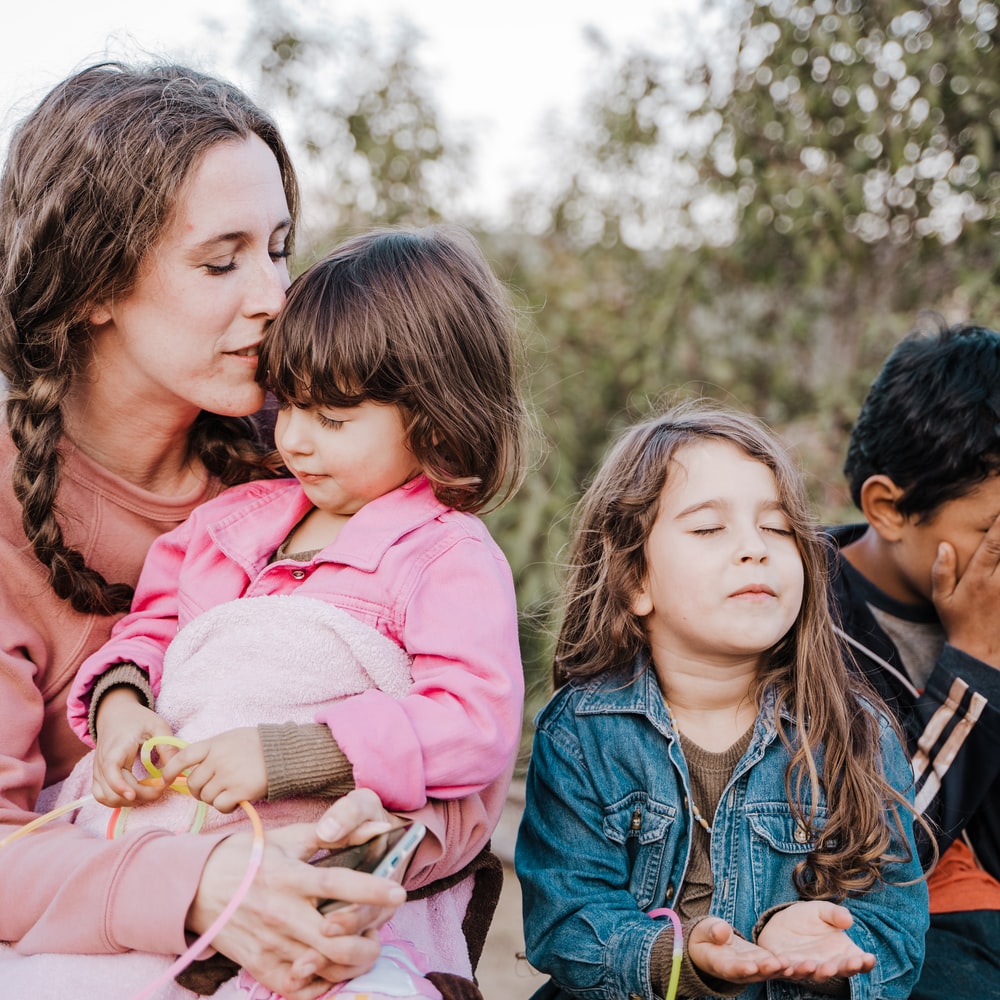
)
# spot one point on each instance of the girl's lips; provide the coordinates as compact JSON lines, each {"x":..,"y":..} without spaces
{"x":754,"y":590}
{"x":245,"y":352}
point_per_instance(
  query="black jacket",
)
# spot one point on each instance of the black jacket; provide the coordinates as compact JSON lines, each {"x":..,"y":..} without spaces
{"x":952,"y":727}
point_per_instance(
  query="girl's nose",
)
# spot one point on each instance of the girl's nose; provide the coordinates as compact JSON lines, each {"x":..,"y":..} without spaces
{"x":291,"y":431}
{"x":752,"y":546}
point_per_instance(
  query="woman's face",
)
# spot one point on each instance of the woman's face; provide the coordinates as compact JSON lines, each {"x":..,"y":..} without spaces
{"x":185,"y":338}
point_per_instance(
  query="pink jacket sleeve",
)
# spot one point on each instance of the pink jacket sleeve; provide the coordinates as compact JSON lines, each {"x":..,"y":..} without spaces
{"x":142,"y":636}
{"x":459,"y":728}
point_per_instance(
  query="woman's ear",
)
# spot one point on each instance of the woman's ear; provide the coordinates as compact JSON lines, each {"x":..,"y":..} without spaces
{"x":879,"y":499}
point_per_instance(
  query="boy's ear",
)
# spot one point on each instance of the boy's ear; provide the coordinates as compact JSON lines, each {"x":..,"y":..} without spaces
{"x":879,"y":496}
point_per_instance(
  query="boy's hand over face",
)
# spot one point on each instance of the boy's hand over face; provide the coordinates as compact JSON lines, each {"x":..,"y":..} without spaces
{"x":967,"y":605}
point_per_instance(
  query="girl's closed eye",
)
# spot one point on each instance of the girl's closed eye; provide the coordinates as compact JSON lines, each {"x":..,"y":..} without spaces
{"x":778,"y":529}
{"x":331,"y":423}
{"x":709,"y":529}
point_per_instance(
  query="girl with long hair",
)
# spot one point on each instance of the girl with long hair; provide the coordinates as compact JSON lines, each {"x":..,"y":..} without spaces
{"x":707,"y":750}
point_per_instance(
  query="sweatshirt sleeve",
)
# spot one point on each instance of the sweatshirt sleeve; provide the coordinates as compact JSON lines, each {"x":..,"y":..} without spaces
{"x":459,"y":726}
{"x":75,"y":892}
{"x":142,"y":636}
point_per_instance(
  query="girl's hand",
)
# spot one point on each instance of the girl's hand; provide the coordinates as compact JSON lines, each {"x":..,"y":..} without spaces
{"x":812,"y":935}
{"x":276,"y":933}
{"x":223,"y":770}
{"x":717,"y":950}
{"x":123,"y":725}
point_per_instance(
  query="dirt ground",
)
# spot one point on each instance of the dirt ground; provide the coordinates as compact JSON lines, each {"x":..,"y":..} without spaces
{"x":504,"y":972}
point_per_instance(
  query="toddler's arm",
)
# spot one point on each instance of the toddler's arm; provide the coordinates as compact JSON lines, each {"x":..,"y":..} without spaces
{"x":458,"y":728}
{"x":142,"y":636}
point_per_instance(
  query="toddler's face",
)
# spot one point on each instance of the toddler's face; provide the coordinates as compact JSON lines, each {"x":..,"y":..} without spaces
{"x":725,"y":577}
{"x":345,"y":457}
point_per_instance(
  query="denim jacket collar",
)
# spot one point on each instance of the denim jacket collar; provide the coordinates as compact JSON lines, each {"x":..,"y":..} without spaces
{"x":639,"y":694}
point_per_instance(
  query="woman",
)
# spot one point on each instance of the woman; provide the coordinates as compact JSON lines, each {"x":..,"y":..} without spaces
{"x":145,"y":220}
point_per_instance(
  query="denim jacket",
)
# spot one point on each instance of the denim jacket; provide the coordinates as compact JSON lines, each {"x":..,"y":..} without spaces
{"x":606,"y":836}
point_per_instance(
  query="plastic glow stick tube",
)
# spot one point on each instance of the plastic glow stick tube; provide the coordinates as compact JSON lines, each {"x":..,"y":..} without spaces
{"x":678,"y":950}
{"x":42,"y":820}
{"x":256,"y":855}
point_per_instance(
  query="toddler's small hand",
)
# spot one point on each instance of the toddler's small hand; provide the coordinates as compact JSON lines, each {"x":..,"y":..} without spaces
{"x":123,"y":725}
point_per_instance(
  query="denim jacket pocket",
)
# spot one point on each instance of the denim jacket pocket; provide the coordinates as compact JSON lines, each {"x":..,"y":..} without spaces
{"x":778,"y":843}
{"x":644,"y":829}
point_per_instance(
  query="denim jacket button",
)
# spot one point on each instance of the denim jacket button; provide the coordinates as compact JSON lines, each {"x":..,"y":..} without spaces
{"x":298,"y":574}
{"x":800,"y":835}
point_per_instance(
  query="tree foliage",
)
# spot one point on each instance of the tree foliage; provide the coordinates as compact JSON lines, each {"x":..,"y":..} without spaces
{"x":361,"y":116}
{"x":757,"y":217}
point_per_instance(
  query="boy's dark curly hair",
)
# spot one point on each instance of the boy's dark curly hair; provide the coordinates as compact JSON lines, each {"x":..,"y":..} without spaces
{"x":931,"y":419}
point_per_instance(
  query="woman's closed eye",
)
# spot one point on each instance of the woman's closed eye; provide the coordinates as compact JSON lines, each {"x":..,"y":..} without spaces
{"x":221,"y":268}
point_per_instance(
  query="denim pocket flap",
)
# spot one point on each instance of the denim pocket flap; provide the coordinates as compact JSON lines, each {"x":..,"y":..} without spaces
{"x":783,"y":832}
{"x":639,"y":817}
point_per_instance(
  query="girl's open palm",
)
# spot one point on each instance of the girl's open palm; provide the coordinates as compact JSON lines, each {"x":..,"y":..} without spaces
{"x":812,"y":935}
{"x":717,"y":950}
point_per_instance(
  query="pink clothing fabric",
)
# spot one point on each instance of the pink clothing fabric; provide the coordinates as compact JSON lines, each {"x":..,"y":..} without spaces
{"x":426,"y":576}
{"x":61,"y":889}
{"x":295,"y":653}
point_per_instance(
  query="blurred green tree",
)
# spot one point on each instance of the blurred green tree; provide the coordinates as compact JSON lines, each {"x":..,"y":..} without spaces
{"x":361,"y":118}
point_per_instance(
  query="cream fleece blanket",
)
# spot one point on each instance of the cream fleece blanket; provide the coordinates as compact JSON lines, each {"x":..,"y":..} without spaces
{"x":269,"y":659}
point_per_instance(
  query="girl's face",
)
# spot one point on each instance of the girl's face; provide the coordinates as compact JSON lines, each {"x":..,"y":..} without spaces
{"x":345,"y":457}
{"x":185,"y":338}
{"x":724,"y":579}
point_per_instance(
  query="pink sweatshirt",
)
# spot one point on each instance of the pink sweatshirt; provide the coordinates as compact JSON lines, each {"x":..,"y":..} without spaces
{"x":74,"y":892}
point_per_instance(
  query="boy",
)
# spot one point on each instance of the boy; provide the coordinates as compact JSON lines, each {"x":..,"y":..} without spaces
{"x":917,"y":588}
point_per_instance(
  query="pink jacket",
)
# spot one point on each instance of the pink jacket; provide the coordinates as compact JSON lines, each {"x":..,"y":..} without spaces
{"x":426,"y":576}
{"x":75,"y":892}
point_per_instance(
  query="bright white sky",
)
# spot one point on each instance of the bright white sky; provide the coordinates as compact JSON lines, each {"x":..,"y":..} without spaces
{"x":497,"y":69}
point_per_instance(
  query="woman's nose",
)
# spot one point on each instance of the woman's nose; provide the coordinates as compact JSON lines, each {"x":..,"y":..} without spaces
{"x":267,"y":287}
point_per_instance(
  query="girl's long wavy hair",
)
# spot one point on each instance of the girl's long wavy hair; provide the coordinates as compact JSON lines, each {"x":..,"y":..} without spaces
{"x":834,"y":744}
{"x":91,"y":179}
{"x":417,"y":319}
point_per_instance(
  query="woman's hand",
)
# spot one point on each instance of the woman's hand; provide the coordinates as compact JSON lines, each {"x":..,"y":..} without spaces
{"x":717,"y":950}
{"x":123,"y":724}
{"x":811,"y":934}
{"x":276,"y":933}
